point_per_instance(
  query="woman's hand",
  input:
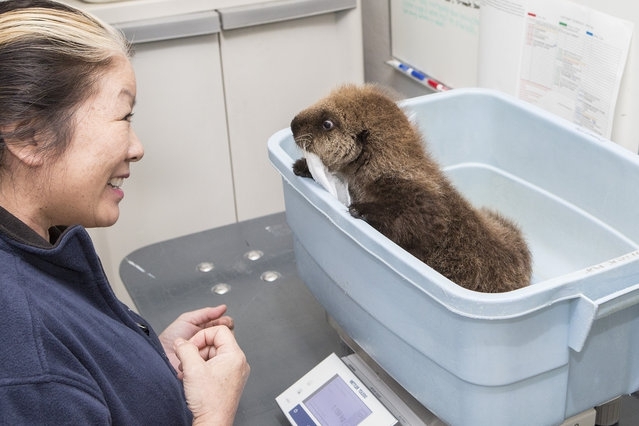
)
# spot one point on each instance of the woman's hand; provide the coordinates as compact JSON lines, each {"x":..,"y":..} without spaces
{"x":213,"y":370}
{"x":188,"y":324}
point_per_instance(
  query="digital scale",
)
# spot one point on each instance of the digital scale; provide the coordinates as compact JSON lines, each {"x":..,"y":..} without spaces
{"x":348,"y":392}
{"x":331,"y":394}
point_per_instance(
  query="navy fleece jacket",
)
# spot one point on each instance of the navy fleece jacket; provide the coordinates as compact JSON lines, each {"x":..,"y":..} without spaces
{"x":70,"y":352}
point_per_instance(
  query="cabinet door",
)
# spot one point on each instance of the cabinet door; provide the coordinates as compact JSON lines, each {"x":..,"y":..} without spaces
{"x":271,"y":72}
{"x":184,"y":183}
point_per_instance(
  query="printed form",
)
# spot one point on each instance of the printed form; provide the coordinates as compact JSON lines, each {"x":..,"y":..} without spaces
{"x":567,"y":58}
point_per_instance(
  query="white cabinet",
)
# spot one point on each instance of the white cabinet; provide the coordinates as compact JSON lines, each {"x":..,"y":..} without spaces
{"x":209,"y":98}
{"x":184,"y":182}
{"x":271,"y":72}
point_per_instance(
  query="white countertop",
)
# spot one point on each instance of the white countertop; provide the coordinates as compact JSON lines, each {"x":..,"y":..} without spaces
{"x":134,"y":10}
{"x":154,"y":20}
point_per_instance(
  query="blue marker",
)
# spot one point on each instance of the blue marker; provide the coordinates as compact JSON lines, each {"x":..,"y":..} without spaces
{"x":418,"y":75}
{"x":408,"y":70}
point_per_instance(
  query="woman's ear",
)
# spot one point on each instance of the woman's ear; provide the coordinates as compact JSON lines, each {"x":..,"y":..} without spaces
{"x":26,"y":151}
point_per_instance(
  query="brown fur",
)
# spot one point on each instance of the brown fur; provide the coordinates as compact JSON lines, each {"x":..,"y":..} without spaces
{"x":361,"y":135}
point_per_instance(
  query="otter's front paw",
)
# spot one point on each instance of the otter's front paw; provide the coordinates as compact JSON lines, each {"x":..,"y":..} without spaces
{"x":355,"y":212}
{"x":300,"y":168}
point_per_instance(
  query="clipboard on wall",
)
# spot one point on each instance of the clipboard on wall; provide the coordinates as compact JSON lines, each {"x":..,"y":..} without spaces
{"x":561,"y":55}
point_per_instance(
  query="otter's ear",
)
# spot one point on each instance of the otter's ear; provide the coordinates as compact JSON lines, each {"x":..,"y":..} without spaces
{"x":362,"y":137}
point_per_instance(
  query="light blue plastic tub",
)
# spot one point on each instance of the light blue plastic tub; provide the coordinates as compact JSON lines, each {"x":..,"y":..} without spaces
{"x":533,"y":356}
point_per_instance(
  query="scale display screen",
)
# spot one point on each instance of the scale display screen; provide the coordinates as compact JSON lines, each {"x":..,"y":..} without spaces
{"x":336,"y":404}
{"x":331,"y":395}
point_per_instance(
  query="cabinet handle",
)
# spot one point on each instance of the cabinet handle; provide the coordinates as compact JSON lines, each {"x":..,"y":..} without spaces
{"x":276,"y":11}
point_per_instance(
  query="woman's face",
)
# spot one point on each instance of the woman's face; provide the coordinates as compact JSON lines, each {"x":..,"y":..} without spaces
{"x":84,"y":185}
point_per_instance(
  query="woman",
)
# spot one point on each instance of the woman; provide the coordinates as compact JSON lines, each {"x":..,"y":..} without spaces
{"x":71,"y":352}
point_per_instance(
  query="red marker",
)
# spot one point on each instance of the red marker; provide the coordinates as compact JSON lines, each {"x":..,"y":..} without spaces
{"x":436,"y":85}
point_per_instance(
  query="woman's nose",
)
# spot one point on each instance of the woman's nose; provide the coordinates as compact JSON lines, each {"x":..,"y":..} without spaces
{"x":136,"y":150}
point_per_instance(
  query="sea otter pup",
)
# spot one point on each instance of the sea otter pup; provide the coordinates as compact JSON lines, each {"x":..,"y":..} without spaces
{"x":363,"y":138}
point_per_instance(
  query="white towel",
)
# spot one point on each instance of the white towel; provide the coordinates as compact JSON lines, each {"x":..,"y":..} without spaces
{"x":333,"y":184}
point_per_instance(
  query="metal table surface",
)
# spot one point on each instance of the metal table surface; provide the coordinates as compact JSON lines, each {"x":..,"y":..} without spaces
{"x":278,"y":323}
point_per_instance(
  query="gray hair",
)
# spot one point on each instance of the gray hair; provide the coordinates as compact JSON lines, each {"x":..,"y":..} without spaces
{"x":51,"y":56}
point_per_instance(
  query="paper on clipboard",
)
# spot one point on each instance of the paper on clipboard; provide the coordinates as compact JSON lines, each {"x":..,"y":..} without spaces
{"x":564,"y":57}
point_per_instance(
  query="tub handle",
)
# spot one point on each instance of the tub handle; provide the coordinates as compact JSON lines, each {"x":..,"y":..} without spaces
{"x":586,"y":311}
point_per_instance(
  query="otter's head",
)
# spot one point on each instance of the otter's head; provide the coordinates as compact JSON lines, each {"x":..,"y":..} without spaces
{"x":351,"y":128}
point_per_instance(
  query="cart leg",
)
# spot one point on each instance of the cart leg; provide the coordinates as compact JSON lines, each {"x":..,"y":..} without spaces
{"x":608,"y":413}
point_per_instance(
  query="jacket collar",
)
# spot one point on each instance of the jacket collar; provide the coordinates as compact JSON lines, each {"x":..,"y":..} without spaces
{"x":19,"y":231}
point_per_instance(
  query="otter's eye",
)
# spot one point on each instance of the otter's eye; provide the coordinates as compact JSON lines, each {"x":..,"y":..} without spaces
{"x":327,"y":125}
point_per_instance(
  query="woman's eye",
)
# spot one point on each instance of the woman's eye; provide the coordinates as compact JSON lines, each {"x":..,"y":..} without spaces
{"x":327,"y":125}
{"x":128,"y":117}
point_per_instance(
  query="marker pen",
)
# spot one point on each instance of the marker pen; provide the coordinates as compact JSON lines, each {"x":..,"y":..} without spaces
{"x":417,"y":75}
{"x":436,"y":85}
{"x":408,"y":70}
